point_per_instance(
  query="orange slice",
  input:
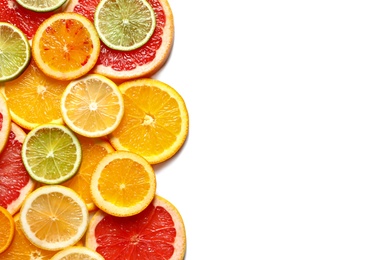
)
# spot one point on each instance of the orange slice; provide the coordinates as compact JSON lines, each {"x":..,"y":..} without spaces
{"x":22,"y":249}
{"x":158,"y":232}
{"x":66,"y":46}
{"x":92,"y":106}
{"x":34,"y":98}
{"x":7,"y":229}
{"x":155,"y":124}
{"x":15,"y":182}
{"x":5,"y":122}
{"x":127,"y":193}
{"x":93,"y":150}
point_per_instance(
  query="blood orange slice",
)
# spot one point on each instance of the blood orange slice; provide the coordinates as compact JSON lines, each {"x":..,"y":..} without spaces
{"x":26,"y":20}
{"x":142,"y":62}
{"x":15,"y":182}
{"x":157,"y":232}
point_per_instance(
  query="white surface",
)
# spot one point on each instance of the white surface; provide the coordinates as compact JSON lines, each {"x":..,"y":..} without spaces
{"x":288,"y":155}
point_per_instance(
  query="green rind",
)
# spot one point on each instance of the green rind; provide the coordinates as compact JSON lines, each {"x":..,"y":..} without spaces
{"x":40,"y":143}
{"x":35,"y":5}
{"x":13,"y":43}
{"x":113,"y":20}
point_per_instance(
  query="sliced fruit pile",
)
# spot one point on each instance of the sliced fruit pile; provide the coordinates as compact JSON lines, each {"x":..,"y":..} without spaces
{"x":82,"y":124}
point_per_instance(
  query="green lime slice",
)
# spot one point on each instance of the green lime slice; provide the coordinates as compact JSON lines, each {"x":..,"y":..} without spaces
{"x":41,"y":5}
{"x":124,"y":24}
{"x":51,"y":153}
{"x":15,"y":52}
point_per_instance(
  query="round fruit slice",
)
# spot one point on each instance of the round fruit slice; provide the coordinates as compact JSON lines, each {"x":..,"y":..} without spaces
{"x":143,"y":61}
{"x":155,"y":124}
{"x":157,"y":232}
{"x":41,"y":5}
{"x":15,"y":182}
{"x":66,"y":46}
{"x":92,"y":106}
{"x":77,"y":252}
{"x":126,"y":24}
{"x":40,"y":102}
{"x":5,"y":122}
{"x":53,"y":217}
{"x":7,"y":229}
{"x":127,"y":193}
{"x":51,"y":153}
{"x":15,"y":52}
{"x":22,"y":249}
{"x":93,"y":149}
{"x":26,"y":20}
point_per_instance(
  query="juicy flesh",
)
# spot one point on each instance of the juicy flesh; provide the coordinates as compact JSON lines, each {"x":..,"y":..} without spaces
{"x":147,"y":235}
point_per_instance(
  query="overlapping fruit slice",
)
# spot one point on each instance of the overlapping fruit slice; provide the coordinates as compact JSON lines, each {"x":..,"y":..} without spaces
{"x":155,"y":124}
{"x":5,"y":122}
{"x":156,"y":233}
{"x":143,"y":61}
{"x":15,"y":182}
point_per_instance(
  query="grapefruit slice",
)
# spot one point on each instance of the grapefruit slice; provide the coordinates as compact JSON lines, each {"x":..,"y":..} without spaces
{"x":5,"y":122}
{"x":15,"y":182}
{"x":141,"y":62}
{"x":157,"y":232}
{"x":26,"y":20}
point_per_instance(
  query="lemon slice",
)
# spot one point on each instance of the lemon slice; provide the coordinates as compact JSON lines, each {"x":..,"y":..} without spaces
{"x":124,"y":24}
{"x":92,"y":106}
{"x":54,"y":217}
{"x":41,"y":5}
{"x":15,"y":52}
{"x":51,"y":153}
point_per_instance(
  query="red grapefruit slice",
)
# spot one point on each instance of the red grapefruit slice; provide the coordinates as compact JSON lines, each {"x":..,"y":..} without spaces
{"x":142,"y":62}
{"x":26,"y":20}
{"x":157,"y":232}
{"x":15,"y":182}
{"x":5,"y":122}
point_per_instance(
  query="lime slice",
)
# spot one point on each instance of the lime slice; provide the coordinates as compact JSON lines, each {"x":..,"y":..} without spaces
{"x":41,"y":5}
{"x":51,"y":153}
{"x":15,"y":52}
{"x":124,"y":24}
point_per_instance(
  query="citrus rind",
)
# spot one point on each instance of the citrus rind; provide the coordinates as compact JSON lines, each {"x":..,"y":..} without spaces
{"x":124,"y":189}
{"x":124,"y":25}
{"x":92,"y":97}
{"x":6,"y":241}
{"x":68,"y":56}
{"x":52,"y":201}
{"x":41,"y":158}
{"x":15,"y":52}
{"x":41,"y":6}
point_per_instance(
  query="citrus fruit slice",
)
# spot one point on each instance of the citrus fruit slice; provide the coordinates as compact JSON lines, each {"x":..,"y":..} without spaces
{"x":7,"y":229}
{"x":158,"y":232}
{"x":143,"y":61}
{"x":40,"y":102}
{"x":15,"y":182}
{"x":51,"y":153}
{"x":155,"y":124}
{"x":5,"y":122}
{"x":53,"y":217}
{"x":77,"y":252}
{"x":66,"y":46}
{"x":127,"y":193}
{"x":93,"y":150}
{"x":15,"y":52}
{"x":124,"y":25}
{"x":22,"y":249}
{"x":41,"y":5}
{"x":92,"y":106}
{"x":26,"y":20}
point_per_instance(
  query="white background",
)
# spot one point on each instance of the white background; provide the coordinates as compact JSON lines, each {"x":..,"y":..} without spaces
{"x":288,"y":154}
